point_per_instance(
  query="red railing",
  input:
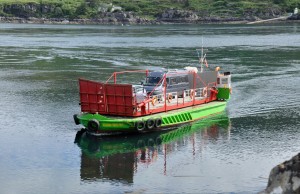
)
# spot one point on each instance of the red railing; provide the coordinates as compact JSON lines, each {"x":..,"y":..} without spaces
{"x":115,"y":74}
{"x":120,"y":100}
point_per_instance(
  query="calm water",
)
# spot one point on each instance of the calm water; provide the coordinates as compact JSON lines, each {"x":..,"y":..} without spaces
{"x":233,"y":152}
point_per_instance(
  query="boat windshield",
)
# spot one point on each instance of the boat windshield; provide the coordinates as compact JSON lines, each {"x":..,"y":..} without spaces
{"x":152,"y":81}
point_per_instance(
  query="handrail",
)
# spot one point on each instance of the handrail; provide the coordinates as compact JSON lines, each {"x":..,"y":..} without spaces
{"x":121,"y":72}
{"x":160,"y":81}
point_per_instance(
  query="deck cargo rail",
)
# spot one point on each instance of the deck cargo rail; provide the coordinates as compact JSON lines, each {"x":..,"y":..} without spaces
{"x":120,"y":99}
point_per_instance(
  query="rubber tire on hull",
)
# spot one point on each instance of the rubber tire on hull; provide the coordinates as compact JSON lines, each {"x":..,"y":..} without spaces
{"x":150,"y":124}
{"x":76,"y":120}
{"x":158,"y":122}
{"x":140,"y":125}
{"x":93,"y":125}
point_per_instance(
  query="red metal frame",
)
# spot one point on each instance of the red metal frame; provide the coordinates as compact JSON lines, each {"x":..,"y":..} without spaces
{"x":118,"y":99}
{"x":114,"y":75}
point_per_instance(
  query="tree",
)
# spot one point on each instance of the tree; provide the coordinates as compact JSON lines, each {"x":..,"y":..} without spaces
{"x":82,"y":9}
{"x":93,"y":3}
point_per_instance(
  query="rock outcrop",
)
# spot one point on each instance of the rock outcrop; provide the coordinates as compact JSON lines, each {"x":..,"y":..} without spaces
{"x":178,"y":16}
{"x":294,"y":17}
{"x":103,"y":18}
{"x":183,"y":16}
{"x":54,"y":13}
{"x":31,"y":10}
{"x":285,"y":177}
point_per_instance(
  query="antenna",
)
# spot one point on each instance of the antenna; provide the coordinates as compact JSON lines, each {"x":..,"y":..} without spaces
{"x":201,"y":57}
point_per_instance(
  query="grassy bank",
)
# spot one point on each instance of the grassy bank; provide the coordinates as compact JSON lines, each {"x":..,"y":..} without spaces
{"x":144,"y":8}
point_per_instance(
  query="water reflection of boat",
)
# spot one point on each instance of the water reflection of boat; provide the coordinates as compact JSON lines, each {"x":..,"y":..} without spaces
{"x":117,"y":158}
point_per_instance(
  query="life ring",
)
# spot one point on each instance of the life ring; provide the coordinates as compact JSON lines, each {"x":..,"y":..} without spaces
{"x":140,"y":125}
{"x":93,"y":125}
{"x":204,"y":92}
{"x":192,"y":94}
{"x":154,"y":100}
{"x":150,"y":124}
{"x":170,"y":97}
{"x":158,"y":122}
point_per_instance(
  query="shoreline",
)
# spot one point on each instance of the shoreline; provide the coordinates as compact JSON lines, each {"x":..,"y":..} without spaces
{"x":136,"y":21}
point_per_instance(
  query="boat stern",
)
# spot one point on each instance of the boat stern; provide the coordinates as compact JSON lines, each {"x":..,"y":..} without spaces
{"x":224,"y":86}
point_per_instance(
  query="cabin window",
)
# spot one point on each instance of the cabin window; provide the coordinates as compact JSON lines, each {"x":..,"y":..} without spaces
{"x":186,"y":79}
{"x":183,"y":79}
{"x":224,"y":80}
{"x":173,"y":81}
{"x":229,"y":80}
{"x":152,"y":81}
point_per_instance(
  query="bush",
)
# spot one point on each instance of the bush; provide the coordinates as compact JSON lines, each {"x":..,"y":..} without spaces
{"x":149,"y":8}
{"x":133,"y":8}
{"x":58,"y":12}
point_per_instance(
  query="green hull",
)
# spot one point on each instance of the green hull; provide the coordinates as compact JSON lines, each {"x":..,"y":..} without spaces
{"x":107,"y":124}
{"x":98,"y":147}
{"x":224,"y":93}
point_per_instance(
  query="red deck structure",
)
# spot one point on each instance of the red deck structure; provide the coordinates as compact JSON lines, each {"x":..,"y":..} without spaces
{"x":120,"y":99}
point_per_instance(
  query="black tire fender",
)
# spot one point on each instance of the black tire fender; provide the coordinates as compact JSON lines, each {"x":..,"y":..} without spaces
{"x":76,"y":120}
{"x":93,"y":125}
{"x":150,"y":124}
{"x":140,"y":125}
{"x":158,"y":122}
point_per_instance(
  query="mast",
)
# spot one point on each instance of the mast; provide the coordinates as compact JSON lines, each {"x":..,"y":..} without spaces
{"x":202,"y":59}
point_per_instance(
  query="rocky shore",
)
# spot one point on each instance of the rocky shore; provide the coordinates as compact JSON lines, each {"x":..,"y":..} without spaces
{"x":285,"y":177}
{"x":169,"y":16}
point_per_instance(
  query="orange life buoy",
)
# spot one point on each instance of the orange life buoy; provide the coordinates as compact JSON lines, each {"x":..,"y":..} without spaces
{"x":154,"y":99}
{"x":170,"y":97}
{"x":192,"y":94}
{"x":204,"y":92}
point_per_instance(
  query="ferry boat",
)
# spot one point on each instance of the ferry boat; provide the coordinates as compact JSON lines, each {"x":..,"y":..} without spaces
{"x":166,"y":99}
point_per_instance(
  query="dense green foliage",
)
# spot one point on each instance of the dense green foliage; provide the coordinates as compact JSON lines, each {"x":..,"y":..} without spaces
{"x":148,"y":8}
